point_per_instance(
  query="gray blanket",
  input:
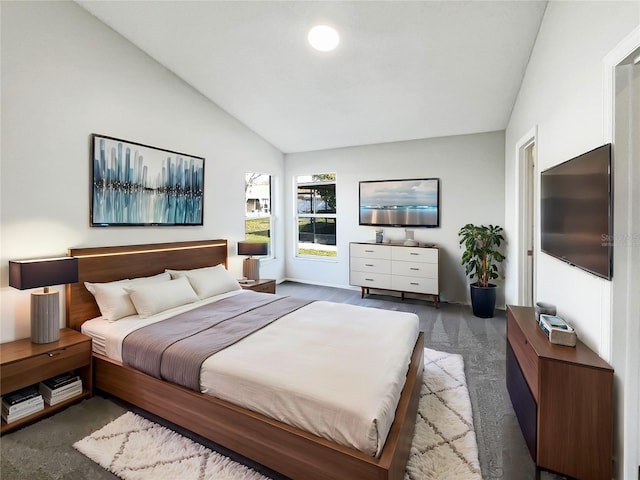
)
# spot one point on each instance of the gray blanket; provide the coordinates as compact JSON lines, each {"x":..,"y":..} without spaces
{"x":174,"y":349}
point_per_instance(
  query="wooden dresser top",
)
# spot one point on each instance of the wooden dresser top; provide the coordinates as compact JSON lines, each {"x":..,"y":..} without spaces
{"x":580,"y":354}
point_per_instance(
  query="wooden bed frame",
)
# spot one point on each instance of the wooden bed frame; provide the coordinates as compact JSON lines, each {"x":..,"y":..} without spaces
{"x":287,"y":450}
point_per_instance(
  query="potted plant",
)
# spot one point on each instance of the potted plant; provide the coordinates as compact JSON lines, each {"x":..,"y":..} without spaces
{"x":481,"y":259}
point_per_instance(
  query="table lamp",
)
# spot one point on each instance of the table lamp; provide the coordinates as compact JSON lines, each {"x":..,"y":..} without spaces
{"x":251,"y":266}
{"x":45,"y":311}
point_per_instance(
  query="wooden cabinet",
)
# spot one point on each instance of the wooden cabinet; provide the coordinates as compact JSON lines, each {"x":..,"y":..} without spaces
{"x":395,"y":267}
{"x":23,"y":363}
{"x":265,"y":285}
{"x":563,"y":398}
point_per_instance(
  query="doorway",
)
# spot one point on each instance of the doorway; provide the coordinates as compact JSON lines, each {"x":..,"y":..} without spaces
{"x":529,"y":221}
{"x":526,"y":214}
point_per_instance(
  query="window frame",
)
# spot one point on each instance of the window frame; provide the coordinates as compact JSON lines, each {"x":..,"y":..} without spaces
{"x":247,"y":217}
{"x":314,"y":214}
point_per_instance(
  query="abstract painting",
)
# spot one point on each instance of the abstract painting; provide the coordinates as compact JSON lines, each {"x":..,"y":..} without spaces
{"x":140,"y":185}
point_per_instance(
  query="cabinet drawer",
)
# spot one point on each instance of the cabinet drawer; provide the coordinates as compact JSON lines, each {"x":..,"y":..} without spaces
{"x":263,"y":285}
{"x":374,"y":265}
{"x":269,"y":287}
{"x":415,"y":284}
{"x":421,"y":270}
{"x":525,"y":355}
{"x":31,"y":370}
{"x":523,"y":402}
{"x":415,"y":254}
{"x":371,"y":280}
{"x":370,"y":251}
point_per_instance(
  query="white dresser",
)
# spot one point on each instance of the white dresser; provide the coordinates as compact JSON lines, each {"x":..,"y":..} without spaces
{"x":395,"y":267}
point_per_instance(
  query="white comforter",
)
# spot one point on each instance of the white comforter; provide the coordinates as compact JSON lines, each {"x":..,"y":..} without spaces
{"x":331,"y":369}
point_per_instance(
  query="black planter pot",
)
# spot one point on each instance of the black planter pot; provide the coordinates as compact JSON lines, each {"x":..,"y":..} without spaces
{"x":483,"y":300}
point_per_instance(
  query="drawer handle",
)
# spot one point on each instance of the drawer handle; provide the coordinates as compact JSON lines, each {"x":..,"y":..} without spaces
{"x":53,"y":354}
{"x":413,"y":253}
{"x":415,"y":269}
{"x":369,"y":265}
{"x":369,"y":279}
{"x":414,"y":283}
{"x":369,"y":251}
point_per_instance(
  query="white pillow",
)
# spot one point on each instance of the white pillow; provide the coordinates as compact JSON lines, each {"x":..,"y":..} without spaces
{"x":208,"y":281}
{"x":182,"y":273}
{"x":112,"y":299}
{"x":152,"y":298}
{"x":159,"y":277}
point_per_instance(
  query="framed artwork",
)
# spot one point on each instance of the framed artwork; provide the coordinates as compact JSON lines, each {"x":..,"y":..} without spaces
{"x":139,"y":185}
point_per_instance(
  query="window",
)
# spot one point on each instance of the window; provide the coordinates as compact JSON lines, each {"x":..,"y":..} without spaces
{"x":257,"y":223}
{"x":316,"y":215}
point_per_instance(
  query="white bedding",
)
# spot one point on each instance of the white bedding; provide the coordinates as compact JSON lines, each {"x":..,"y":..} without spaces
{"x":335,"y":370}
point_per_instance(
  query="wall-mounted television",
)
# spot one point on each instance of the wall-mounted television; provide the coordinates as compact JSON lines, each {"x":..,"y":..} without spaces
{"x":400,"y":203}
{"x":577,"y":212}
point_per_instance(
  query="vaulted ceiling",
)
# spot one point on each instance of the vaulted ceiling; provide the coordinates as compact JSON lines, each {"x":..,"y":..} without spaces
{"x":402,"y":70}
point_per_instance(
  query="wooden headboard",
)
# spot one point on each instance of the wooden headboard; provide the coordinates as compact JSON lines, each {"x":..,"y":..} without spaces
{"x":106,"y":264}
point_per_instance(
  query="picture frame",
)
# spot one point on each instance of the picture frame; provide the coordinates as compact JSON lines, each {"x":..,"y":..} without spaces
{"x":133,"y":184}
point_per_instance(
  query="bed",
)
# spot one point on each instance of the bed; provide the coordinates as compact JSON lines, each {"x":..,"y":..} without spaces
{"x":291,"y":451}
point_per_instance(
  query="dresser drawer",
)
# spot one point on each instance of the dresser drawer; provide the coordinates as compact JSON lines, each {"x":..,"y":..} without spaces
{"x":264,"y":285}
{"x":370,"y":251}
{"x":28,"y":371}
{"x":371,"y":280}
{"x":265,"y":288}
{"x":415,"y":254}
{"x":415,"y":284}
{"x":422,"y":270}
{"x":525,"y":355}
{"x":374,"y":265}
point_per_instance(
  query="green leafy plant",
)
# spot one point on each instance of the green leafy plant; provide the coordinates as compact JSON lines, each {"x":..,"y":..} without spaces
{"x":481,"y":256}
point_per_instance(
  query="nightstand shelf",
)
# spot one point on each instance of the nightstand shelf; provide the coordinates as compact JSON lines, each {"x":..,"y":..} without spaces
{"x":23,"y":363}
{"x":266,"y":285}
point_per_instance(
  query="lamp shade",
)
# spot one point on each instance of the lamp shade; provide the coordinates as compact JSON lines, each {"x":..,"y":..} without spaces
{"x":25,"y":274}
{"x":253,"y":248}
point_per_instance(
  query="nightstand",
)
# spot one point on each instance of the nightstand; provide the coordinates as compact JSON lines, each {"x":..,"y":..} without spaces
{"x":23,"y":363}
{"x":266,"y":285}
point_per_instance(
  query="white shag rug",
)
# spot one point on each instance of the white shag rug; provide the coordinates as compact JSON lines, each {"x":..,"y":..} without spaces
{"x":444,"y":444}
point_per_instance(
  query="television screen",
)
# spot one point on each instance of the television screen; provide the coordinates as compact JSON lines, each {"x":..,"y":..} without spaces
{"x":576,"y":211}
{"x":400,"y":203}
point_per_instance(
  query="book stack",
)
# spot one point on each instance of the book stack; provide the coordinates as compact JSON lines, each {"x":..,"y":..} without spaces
{"x":21,"y":403}
{"x":60,"y":388}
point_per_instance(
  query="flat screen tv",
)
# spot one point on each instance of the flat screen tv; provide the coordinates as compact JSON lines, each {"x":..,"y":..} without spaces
{"x":577,"y":212}
{"x":400,"y":203}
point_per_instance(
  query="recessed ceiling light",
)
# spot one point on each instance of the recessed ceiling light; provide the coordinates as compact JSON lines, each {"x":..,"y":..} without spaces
{"x":323,"y":38}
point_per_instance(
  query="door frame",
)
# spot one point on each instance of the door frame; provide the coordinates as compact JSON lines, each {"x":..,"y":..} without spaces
{"x":623,"y":331}
{"x":526,"y":189}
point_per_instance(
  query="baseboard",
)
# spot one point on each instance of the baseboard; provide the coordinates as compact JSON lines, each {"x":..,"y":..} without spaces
{"x":357,"y":289}
{"x":320,"y":284}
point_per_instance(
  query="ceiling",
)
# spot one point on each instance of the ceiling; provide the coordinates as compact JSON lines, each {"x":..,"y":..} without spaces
{"x":402,"y":71}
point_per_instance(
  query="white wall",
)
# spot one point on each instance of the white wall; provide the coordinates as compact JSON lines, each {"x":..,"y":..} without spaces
{"x":563,"y":95}
{"x":66,"y":75}
{"x":471,"y":172}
